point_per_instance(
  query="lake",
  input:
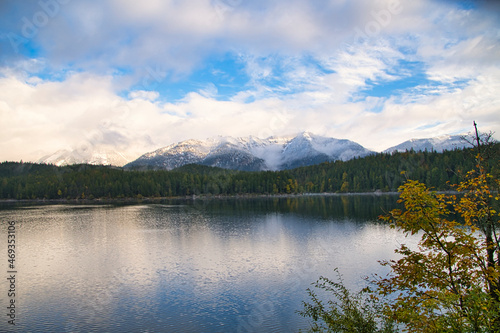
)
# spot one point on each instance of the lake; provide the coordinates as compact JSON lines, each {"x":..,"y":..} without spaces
{"x":218,"y":265}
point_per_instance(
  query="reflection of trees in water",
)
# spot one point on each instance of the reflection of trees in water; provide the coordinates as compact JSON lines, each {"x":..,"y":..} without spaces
{"x":356,"y":207}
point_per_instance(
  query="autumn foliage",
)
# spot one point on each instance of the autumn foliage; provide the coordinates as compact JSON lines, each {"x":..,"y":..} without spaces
{"x":450,"y":281}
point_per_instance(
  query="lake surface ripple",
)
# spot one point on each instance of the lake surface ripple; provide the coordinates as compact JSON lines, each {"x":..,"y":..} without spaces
{"x":224,"y":265}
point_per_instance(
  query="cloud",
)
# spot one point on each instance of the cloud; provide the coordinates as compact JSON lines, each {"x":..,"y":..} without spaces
{"x":99,"y":34}
{"x":44,"y":117}
{"x":143,"y":75}
{"x":145,"y":95}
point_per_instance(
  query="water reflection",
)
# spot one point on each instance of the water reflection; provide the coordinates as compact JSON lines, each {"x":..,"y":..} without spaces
{"x":355,"y":207}
{"x":190,"y":266}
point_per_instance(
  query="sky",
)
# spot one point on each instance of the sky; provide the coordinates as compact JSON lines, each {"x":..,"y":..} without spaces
{"x":138,"y":76}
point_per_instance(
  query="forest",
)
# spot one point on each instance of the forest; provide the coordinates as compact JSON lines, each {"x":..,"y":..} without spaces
{"x":381,"y":172}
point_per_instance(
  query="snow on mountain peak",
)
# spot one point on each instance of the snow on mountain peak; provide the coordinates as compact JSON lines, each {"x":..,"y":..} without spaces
{"x":251,"y":153}
{"x":246,"y":153}
{"x":439,"y":144}
{"x":98,"y":155}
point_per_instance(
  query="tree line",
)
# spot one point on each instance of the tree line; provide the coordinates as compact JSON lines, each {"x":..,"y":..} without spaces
{"x":379,"y":172}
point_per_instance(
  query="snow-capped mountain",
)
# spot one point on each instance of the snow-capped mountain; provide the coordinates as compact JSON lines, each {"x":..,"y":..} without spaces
{"x":309,"y":149}
{"x":251,"y":153}
{"x":224,"y":152}
{"x":438,"y":144}
{"x":248,"y":153}
{"x":98,"y":155}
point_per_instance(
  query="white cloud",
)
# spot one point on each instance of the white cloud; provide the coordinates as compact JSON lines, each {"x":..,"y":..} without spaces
{"x":145,"y":95}
{"x":84,"y":109}
{"x":454,"y":111}
{"x":49,"y":116}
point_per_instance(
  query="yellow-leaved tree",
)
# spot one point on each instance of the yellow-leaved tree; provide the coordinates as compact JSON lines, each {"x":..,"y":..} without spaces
{"x":450,"y":282}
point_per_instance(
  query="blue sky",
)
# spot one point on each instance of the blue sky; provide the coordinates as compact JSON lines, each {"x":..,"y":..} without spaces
{"x":139,"y":76}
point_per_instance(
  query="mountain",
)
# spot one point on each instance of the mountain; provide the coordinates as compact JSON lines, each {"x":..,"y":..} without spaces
{"x":438,"y":144}
{"x":251,"y":153}
{"x":248,"y":153}
{"x":98,"y":155}
{"x":309,"y":149}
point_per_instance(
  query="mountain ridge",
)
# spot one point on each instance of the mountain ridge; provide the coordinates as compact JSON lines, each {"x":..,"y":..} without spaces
{"x":245,"y":153}
{"x":438,"y":144}
{"x":251,"y":153}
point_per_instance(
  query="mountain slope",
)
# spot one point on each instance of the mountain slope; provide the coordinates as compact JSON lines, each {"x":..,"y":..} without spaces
{"x":98,"y":155}
{"x":252,"y":154}
{"x":438,"y":144}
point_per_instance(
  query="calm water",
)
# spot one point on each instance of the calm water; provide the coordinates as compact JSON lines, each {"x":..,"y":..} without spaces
{"x":239,"y":265}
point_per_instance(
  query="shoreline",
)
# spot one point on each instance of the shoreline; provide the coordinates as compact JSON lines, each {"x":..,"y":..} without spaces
{"x":132,"y":200}
{"x":149,"y":200}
